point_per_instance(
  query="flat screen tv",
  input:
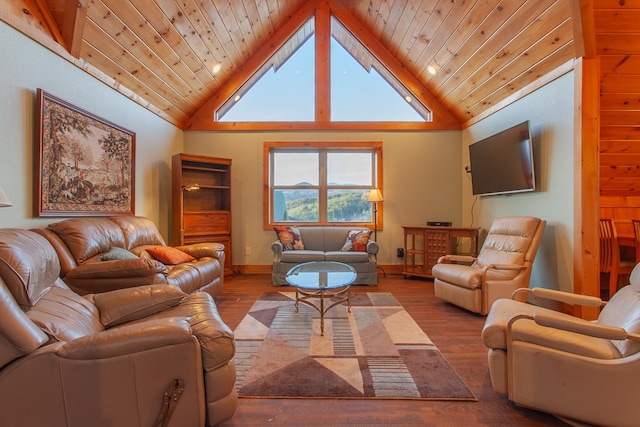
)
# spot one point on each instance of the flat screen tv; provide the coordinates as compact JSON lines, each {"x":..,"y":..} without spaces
{"x":503,"y":163}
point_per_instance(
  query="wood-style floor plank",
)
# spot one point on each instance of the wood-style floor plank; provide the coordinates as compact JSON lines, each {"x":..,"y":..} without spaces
{"x":454,"y":331}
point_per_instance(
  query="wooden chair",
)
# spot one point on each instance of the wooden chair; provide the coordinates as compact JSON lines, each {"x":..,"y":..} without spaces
{"x":610,"y":261}
{"x":636,"y":233}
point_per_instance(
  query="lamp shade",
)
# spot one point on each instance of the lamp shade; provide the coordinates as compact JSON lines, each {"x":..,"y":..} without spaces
{"x":4,"y":200}
{"x":375,"y":195}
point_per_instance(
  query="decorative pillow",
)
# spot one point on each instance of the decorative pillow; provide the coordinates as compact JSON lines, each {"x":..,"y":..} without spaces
{"x":356,"y":241}
{"x":169,"y":255}
{"x":290,"y":237}
{"x":117,"y":253}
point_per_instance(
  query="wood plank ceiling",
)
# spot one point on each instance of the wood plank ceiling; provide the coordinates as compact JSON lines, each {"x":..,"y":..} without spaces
{"x":161,"y":52}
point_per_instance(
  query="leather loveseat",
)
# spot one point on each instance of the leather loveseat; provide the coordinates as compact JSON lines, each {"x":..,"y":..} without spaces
{"x":317,"y":243}
{"x":140,"y":356}
{"x":83,"y":243}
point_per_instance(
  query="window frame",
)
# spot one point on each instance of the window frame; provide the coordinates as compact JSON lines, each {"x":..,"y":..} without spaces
{"x":269,"y":147}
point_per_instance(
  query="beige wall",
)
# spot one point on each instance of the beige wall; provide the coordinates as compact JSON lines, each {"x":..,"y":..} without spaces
{"x":550,"y":111}
{"x":421,"y":182}
{"x":27,"y":66}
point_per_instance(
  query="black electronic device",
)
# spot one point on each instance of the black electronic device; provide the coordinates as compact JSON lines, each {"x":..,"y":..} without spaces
{"x":503,"y":163}
{"x":439,"y":223}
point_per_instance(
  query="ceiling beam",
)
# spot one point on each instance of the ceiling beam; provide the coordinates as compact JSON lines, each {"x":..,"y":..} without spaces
{"x":50,"y":22}
{"x":584,"y":34}
{"x":75,"y":14}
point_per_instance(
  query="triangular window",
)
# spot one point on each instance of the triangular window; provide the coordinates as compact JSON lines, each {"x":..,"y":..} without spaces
{"x":362,"y":89}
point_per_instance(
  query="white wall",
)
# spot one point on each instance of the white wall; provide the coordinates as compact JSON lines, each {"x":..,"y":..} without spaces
{"x":421,"y":182}
{"x":550,"y":111}
{"x":27,"y":66}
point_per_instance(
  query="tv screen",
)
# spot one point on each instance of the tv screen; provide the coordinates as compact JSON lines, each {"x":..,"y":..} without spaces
{"x":503,"y":163}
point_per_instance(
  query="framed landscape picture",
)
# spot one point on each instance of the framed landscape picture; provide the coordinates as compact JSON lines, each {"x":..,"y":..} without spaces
{"x":85,"y":166}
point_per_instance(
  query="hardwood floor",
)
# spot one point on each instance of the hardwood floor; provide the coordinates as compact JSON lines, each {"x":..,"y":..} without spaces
{"x":454,"y":331}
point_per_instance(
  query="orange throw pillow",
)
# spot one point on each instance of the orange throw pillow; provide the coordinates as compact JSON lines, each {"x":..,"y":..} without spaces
{"x":169,"y":255}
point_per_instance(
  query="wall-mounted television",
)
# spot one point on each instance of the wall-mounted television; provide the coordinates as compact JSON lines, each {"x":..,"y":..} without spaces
{"x":503,"y":163}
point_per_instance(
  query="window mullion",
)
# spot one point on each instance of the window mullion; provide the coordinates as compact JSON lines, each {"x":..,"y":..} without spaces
{"x":323,"y":202}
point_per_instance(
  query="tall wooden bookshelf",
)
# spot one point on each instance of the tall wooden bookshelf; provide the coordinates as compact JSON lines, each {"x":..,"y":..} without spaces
{"x":202,"y":214}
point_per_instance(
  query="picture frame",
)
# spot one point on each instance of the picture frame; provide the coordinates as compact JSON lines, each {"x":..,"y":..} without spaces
{"x":84,"y":165}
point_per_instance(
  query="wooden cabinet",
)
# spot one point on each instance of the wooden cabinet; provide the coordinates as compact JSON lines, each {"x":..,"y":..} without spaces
{"x":423,"y":245}
{"x":202,"y":214}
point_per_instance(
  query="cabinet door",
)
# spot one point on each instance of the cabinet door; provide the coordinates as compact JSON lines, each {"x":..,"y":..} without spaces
{"x":436,"y":244}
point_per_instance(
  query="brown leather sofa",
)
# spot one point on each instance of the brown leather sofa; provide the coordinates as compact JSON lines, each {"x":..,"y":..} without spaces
{"x":82,"y":242}
{"x":128,"y":357}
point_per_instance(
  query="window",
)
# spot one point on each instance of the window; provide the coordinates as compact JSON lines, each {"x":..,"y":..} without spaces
{"x":362,"y":90}
{"x":321,"y":183}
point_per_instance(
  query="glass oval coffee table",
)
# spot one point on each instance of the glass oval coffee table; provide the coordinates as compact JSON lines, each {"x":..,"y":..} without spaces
{"x":322,"y":280}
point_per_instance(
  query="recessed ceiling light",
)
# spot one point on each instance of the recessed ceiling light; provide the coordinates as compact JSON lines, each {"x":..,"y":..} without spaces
{"x":216,"y":67}
{"x":407,"y":98}
{"x":236,"y":98}
{"x":431,"y":69}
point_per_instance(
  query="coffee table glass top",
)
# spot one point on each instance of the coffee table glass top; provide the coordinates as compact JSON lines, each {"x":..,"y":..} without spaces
{"x":321,"y":275}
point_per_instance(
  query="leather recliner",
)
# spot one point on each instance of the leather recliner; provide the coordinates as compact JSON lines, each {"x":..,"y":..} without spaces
{"x":503,"y":265}
{"x":118,"y":358}
{"x":579,"y":370}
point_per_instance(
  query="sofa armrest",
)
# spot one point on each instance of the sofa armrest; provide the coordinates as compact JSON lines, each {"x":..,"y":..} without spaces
{"x":448,"y":259}
{"x":373,"y":247}
{"x":131,"y":267}
{"x":126,"y":305}
{"x":128,"y":339}
{"x":583,"y":328}
{"x":558,"y":296}
{"x":276,"y":247}
{"x":202,"y":250}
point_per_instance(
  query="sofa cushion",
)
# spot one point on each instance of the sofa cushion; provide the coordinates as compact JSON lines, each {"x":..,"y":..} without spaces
{"x":138,"y":231}
{"x":125,"y":305}
{"x":88,"y":237}
{"x":169,"y":255}
{"x":290,"y":237}
{"x":117,"y":253}
{"x":28,"y":265}
{"x":356,"y":241}
{"x":346,"y":257}
{"x":65,"y":315}
{"x":302,"y":256}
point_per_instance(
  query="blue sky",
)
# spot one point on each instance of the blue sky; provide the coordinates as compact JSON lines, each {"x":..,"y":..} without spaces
{"x":288,"y":94}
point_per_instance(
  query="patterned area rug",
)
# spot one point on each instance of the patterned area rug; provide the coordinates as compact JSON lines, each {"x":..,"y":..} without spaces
{"x":376,"y":351}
